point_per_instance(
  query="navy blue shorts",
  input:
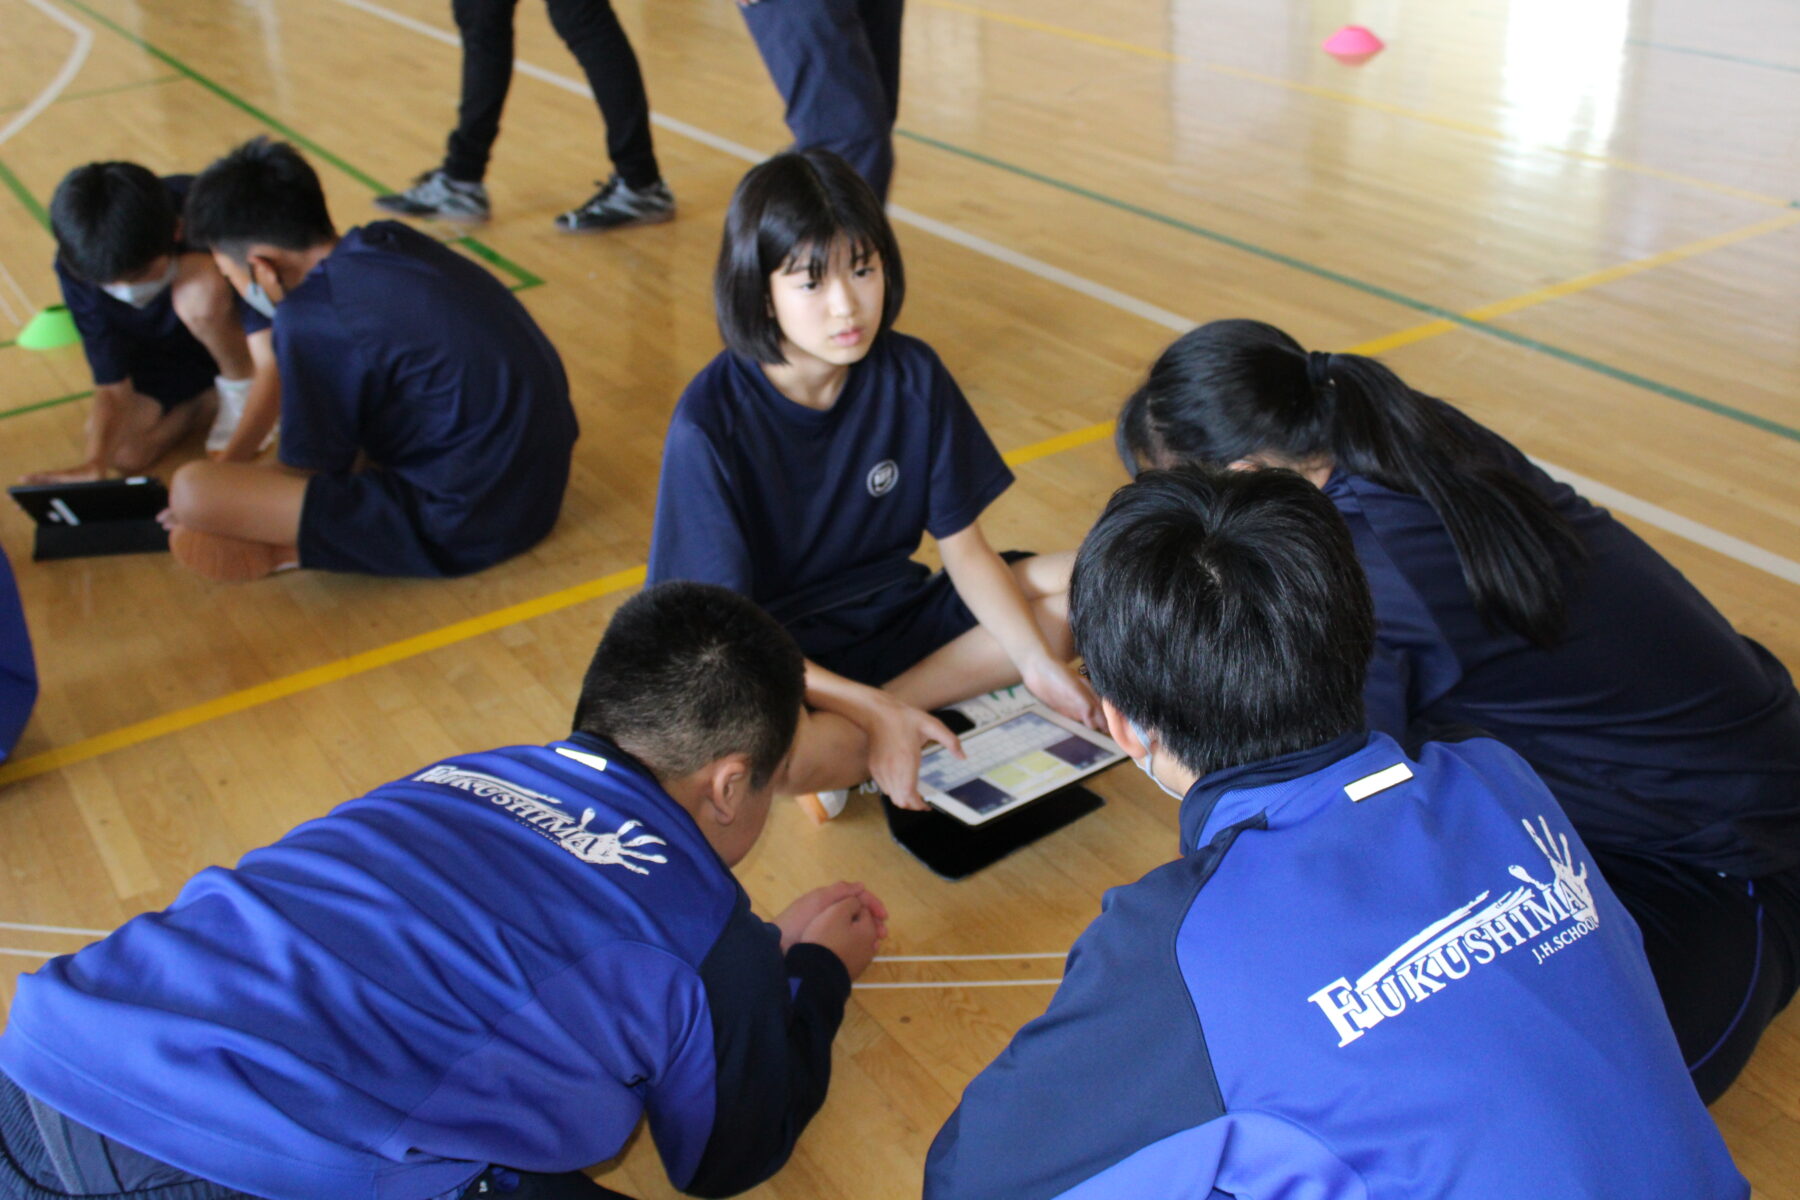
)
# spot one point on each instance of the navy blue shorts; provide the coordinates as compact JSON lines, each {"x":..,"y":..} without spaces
{"x":879,"y":636}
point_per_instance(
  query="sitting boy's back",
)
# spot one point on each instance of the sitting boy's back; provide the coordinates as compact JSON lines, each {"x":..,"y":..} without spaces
{"x":403,"y":351}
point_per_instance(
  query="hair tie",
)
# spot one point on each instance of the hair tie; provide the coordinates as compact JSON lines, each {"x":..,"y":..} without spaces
{"x":1318,"y":369}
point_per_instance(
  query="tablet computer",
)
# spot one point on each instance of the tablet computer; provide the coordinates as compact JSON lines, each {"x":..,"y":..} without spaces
{"x":139,"y":498}
{"x":1011,"y":763}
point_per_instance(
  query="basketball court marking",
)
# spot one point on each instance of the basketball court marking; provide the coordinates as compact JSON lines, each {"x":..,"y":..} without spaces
{"x":965,"y":983}
{"x":84,"y":42}
{"x":139,"y":732}
{"x":1446,"y":318}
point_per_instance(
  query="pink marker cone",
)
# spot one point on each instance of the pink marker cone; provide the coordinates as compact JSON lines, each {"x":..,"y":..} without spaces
{"x":1353,"y":45}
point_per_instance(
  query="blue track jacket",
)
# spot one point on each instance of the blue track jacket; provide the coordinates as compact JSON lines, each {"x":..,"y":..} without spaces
{"x":509,"y":957}
{"x":1427,"y":991}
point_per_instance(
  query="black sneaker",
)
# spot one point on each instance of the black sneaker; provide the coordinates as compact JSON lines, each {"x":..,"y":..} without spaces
{"x":435,"y":194}
{"x":617,"y":205}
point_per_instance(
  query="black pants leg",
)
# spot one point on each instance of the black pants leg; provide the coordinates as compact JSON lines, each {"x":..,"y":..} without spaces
{"x":1725,"y":953}
{"x":487,"y":66}
{"x":837,"y":66}
{"x":593,"y":34}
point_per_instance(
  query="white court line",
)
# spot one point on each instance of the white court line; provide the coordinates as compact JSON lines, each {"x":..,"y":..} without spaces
{"x":1675,"y":523}
{"x":53,"y":929}
{"x":33,"y":953}
{"x":969,"y":957}
{"x":904,"y":216}
{"x":84,"y":42}
{"x":968,"y":983}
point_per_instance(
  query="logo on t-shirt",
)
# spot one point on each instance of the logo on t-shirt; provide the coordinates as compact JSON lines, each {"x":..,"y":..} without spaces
{"x":546,"y":815}
{"x":1561,"y":912}
{"x":883,"y":476}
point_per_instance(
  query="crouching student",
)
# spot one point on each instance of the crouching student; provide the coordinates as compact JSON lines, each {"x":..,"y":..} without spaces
{"x":426,"y":427}
{"x":493,"y":967}
{"x":1371,"y":973}
{"x":171,"y":347}
{"x":806,"y":462}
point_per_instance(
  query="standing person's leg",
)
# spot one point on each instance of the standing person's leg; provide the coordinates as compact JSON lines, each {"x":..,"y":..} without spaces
{"x":636,"y":193}
{"x":818,"y":54}
{"x":882,"y":20}
{"x":486,"y":27}
{"x":593,"y":34}
{"x":1724,"y":952}
{"x":454,"y":191}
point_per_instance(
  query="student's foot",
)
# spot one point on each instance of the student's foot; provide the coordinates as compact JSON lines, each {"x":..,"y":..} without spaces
{"x":86,"y":473}
{"x":435,"y":194}
{"x":228,"y":559}
{"x":822,"y":806}
{"x":617,"y":205}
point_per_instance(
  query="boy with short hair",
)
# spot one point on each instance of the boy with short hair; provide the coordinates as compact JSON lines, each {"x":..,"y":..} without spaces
{"x":172,"y":349}
{"x":426,"y":428}
{"x":1372,"y":972}
{"x":497,"y":965}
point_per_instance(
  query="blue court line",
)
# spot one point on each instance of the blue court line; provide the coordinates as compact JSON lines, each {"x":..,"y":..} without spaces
{"x":1668,"y":391}
{"x":1699,"y":53}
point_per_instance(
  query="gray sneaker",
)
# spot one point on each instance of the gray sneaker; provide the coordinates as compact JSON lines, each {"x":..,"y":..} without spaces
{"x":435,"y":194}
{"x":617,"y":205}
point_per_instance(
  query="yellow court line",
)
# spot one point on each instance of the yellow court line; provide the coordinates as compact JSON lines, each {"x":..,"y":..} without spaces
{"x":1470,"y":127}
{"x":331,"y":672}
{"x":461,"y":631}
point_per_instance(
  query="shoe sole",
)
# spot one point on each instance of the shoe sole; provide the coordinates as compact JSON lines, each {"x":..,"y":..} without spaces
{"x":434,"y":215}
{"x":659,"y":219}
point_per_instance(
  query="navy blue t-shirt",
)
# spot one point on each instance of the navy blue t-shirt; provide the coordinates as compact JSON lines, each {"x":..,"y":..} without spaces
{"x":804,"y":511}
{"x":401,"y":352}
{"x":149,"y":345}
{"x":1661,"y":730}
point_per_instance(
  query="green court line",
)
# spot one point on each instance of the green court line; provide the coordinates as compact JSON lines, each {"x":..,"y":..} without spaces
{"x":526,"y":278}
{"x":17,"y":187}
{"x":1699,"y":53}
{"x":42,"y":404}
{"x":8,"y":344}
{"x":1754,"y":420}
{"x":487,"y":253}
{"x":90,"y":93}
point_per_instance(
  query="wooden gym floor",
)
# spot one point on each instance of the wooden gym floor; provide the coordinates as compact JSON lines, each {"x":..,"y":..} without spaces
{"x":1574,"y":220}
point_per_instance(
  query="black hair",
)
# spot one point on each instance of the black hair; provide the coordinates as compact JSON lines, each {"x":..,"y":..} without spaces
{"x":1237,"y":389}
{"x":262,"y":193}
{"x":688,"y":673}
{"x":1226,"y":611}
{"x":800,"y":202}
{"x":111,"y":221}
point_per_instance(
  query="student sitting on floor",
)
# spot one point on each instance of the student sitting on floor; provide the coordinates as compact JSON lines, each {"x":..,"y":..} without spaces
{"x":1506,"y":602}
{"x":164,"y":334}
{"x":426,"y":427}
{"x":1371,"y":972}
{"x":498,"y":964}
{"x":805,"y":462}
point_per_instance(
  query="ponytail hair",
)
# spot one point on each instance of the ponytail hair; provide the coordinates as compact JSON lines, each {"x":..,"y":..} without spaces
{"x":1234,"y":390}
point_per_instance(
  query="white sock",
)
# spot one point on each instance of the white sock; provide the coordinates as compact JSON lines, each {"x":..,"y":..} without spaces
{"x":233,"y":395}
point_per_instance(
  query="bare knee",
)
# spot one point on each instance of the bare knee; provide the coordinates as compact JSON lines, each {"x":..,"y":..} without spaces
{"x":192,"y":492}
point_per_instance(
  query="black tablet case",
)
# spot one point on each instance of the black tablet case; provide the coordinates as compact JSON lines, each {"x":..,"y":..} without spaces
{"x":955,"y":850}
{"x":116,"y":516}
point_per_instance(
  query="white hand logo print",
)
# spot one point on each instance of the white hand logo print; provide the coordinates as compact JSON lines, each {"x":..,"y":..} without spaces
{"x":611,"y":849}
{"x":1565,"y":879}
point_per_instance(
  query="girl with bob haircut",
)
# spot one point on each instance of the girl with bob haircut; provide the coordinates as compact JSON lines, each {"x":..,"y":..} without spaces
{"x":803,"y":466}
{"x":1506,"y":603}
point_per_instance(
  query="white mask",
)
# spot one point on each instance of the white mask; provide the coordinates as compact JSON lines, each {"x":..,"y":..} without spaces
{"x":1147,"y":764}
{"x":140,"y":294}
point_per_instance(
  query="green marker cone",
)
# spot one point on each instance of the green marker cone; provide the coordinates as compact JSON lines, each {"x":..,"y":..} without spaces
{"x":49,"y":329}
